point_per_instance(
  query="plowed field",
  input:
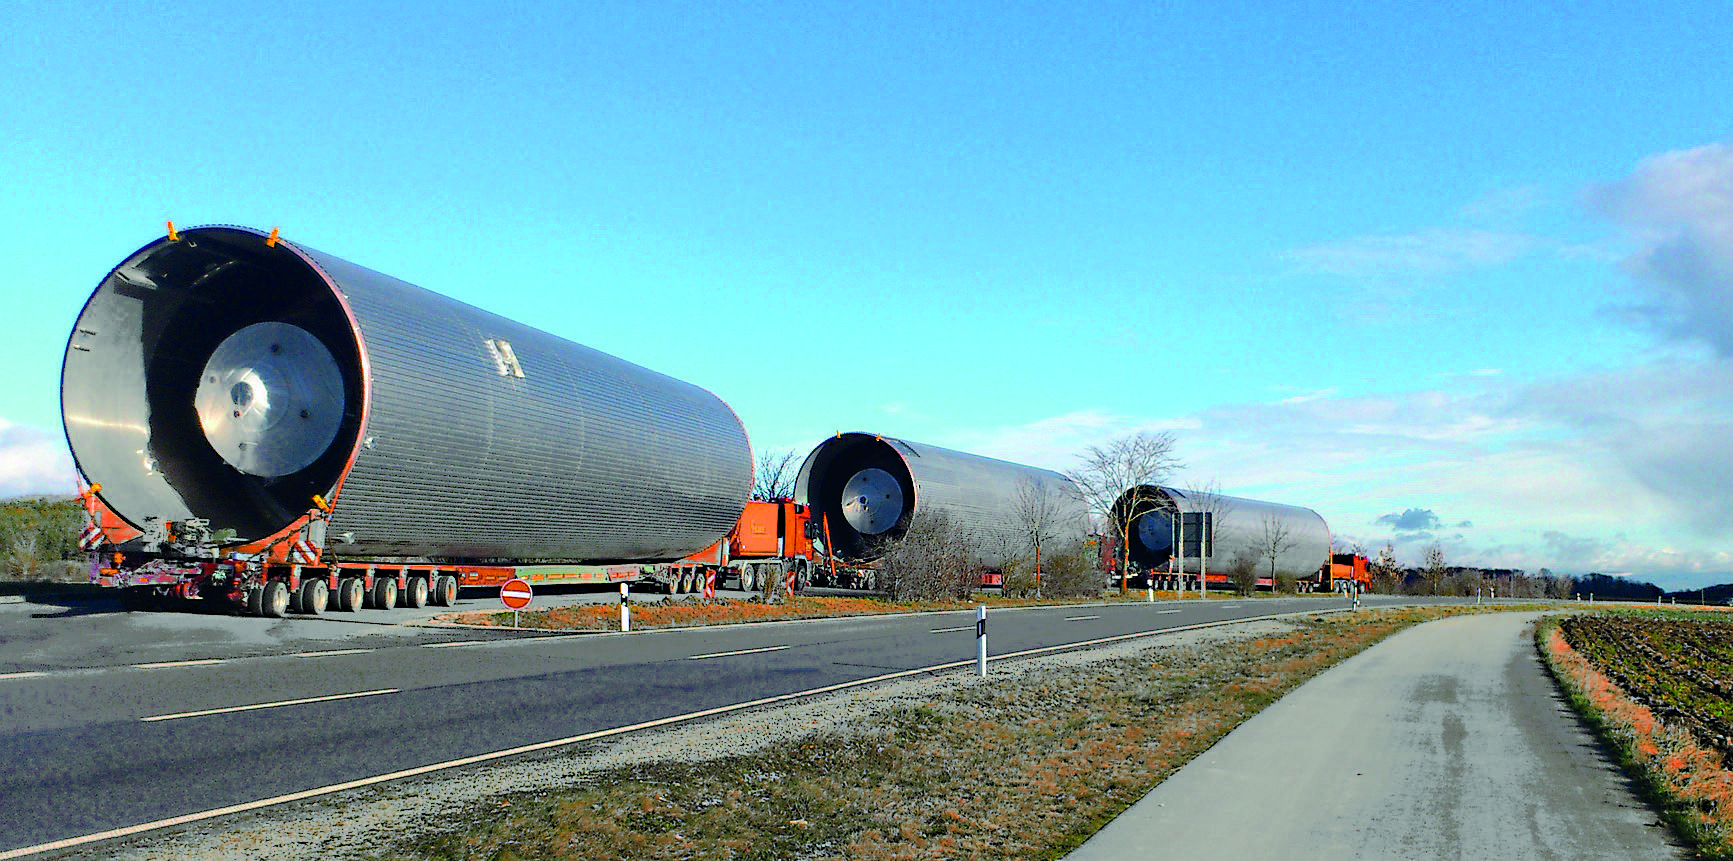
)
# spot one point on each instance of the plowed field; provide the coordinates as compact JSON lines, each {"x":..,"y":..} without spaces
{"x":1681,"y":670}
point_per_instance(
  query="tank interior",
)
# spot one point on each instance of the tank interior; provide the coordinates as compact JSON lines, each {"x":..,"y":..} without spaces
{"x":214,"y":377}
{"x":862,"y":487}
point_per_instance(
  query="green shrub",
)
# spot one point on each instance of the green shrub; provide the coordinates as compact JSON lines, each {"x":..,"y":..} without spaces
{"x":38,"y":535}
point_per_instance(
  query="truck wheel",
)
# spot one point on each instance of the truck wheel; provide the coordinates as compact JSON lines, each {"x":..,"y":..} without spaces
{"x":748,"y":583}
{"x":255,"y":597}
{"x":314,"y":596}
{"x":445,"y":591}
{"x":274,"y":599}
{"x":416,"y":595}
{"x":350,"y":592}
{"x":384,"y":593}
{"x":802,"y":576}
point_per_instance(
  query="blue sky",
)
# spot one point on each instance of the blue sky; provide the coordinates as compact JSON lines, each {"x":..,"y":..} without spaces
{"x":1415,"y":267}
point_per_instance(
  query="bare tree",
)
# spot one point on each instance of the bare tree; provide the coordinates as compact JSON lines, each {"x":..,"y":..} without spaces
{"x":1275,"y":539}
{"x":933,"y":560}
{"x":1042,"y":511}
{"x":1243,"y":571}
{"x":1433,"y":569}
{"x":1384,"y":570}
{"x":1125,"y":470}
{"x":1071,"y":570}
{"x":775,"y":474}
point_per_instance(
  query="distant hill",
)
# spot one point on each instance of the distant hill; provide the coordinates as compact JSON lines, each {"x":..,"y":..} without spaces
{"x":1621,"y":588}
{"x":1721,"y":594}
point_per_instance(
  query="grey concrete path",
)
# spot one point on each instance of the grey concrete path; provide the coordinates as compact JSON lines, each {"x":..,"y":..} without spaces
{"x":1445,"y":741}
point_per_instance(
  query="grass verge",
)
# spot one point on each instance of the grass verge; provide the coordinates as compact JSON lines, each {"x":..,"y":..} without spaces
{"x":693,"y":612}
{"x":1023,"y":767}
{"x":1687,"y":782}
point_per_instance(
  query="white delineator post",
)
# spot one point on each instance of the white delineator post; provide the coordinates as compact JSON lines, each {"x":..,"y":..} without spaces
{"x":981,"y":640}
{"x":625,"y":607}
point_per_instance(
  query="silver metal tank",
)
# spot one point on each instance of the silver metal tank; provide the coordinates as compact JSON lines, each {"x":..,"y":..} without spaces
{"x":871,"y":488}
{"x":219,"y":375}
{"x":1240,"y":525}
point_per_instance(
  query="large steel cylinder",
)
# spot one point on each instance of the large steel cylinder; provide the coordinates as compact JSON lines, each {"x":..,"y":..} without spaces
{"x":1241,"y":526}
{"x":222,"y":376}
{"x":870,"y":489}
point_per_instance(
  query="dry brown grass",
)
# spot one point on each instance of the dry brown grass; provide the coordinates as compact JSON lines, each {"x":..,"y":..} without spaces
{"x":1013,"y":770}
{"x":1687,"y":777}
{"x":692,"y":612}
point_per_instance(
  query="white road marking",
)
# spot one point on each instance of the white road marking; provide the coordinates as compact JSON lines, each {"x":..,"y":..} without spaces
{"x":21,"y":675}
{"x":301,"y":701}
{"x":330,"y":653}
{"x":739,"y":652}
{"x":198,"y":663}
{"x":1079,"y":618}
{"x":454,"y":643}
{"x":215,"y":813}
{"x":949,"y":630}
{"x":1165,"y":612}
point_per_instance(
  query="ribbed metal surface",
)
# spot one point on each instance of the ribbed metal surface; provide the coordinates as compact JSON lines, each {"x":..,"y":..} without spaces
{"x":584,"y":457}
{"x":1241,"y":525}
{"x":978,"y":494}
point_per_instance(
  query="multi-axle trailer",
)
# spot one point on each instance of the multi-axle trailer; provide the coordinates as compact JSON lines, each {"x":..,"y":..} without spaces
{"x":266,"y":424}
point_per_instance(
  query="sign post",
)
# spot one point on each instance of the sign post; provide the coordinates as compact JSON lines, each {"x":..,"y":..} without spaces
{"x":625,"y":607}
{"x":515,"y":594}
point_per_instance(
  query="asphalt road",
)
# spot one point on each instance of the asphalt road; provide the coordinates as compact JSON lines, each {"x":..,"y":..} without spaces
{"x":1450,"y":742}
{"x":95,"y":741}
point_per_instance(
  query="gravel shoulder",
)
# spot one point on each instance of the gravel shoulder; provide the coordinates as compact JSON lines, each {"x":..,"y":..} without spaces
{"x":364,"y":822}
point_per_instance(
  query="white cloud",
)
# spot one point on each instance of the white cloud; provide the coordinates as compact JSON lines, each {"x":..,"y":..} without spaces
{"x":1678,"y":211}
{"x":1504,"y":204}
{"x":1634,"y":459}
{"x":33,"y":462}
{"x":1054,"y":442}
{"x":1435,"y":251}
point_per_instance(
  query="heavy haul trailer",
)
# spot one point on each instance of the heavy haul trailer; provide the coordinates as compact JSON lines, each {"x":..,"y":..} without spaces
{"x":264,"y":423}
{"x":771,"y":539}
{"x":1148,"y":515}
{"x":868,"y":489}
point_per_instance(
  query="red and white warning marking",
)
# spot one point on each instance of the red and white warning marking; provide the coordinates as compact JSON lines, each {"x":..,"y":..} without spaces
{"x":302,"y":553}
{"x":515,"y":593}
{"x":91,"y":537}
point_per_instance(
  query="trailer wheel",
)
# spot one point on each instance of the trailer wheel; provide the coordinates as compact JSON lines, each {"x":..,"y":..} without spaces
{"x":274,"y":599}
{"x":445,"y":591}
{"x":350,"y":592}
{"x":384,"y":593}
{"x":313,"y":596}
{"x":416,"y":595}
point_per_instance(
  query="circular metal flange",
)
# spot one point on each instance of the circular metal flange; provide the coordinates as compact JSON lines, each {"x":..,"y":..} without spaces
{"x":1155,"y":531}
{"x":270,"y":399}
{"x":872,"y":501}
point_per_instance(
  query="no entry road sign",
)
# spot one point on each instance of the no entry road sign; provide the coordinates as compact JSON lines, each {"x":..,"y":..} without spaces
{"x":515,"y":593}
